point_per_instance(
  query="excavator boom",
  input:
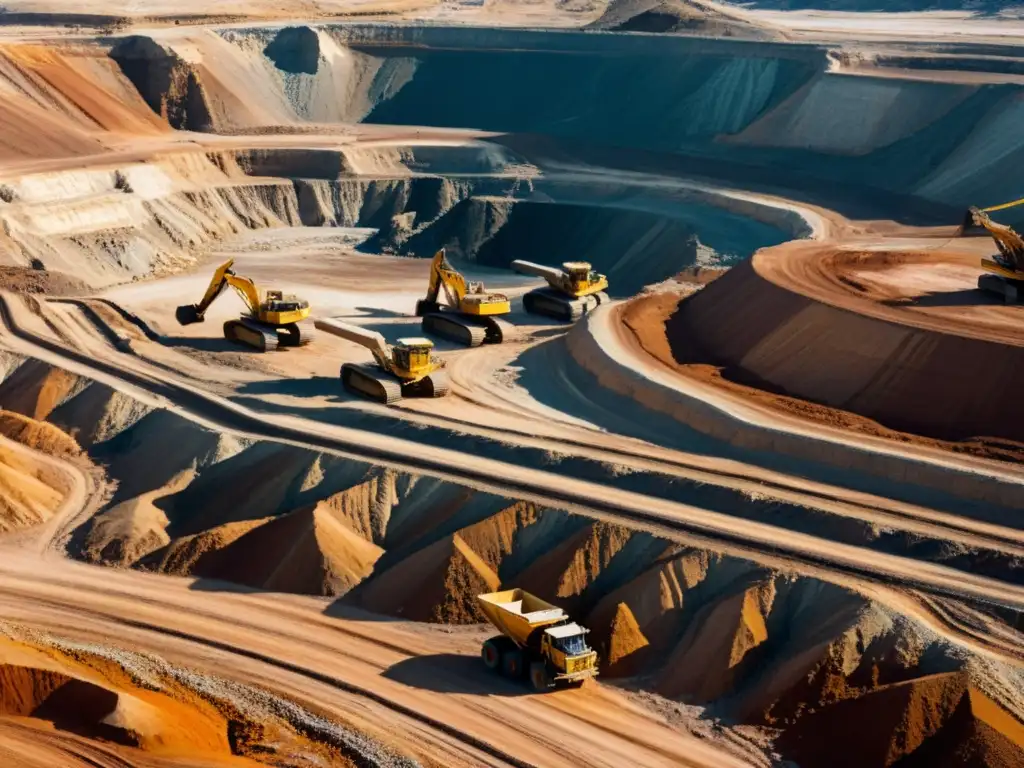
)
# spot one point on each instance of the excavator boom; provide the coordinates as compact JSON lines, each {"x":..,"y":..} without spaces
{"x":573,"y":290}
{"x":469,"y":313}
{"x":443,"y":276}
{"x":270,"y":321}
{"x":372,"y":340}
{"x":555,"y":277}
{"x":406,"y":369}
{"x":1006,"y":266}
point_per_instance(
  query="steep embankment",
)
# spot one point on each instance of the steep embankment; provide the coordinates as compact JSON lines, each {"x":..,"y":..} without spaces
{"x":681,"y":17}
{"x":632,"y":247}
{"x":906,"y":378}
{"x":754,"y":112}
{"x":108,"y":225}
{"x":755,"y":644}
{"x":210,"y":81}
{"x":57,"y":103}
{"x":66,"y":703}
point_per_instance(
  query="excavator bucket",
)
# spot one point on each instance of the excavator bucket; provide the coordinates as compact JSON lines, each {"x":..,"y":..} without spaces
{"x":187,"y":314}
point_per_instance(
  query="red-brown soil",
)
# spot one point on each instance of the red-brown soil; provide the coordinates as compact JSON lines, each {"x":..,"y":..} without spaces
{"x":24,"y":280}
{"x":837,"y":367}
{"x":930,"y":721}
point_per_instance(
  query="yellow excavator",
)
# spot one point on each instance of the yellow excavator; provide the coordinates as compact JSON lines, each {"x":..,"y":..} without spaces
{"x":571,"y":291}
{"x":273,"y":320}
{"x":407,"y":369}
{"x":1006,"y":267}
{"x":470,"y":315}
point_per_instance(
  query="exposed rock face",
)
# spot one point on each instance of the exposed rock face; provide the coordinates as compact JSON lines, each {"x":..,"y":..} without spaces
{"x":168,"y":84}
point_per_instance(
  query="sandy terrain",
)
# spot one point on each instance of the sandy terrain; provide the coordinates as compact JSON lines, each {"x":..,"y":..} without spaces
{"x":778,"y":478}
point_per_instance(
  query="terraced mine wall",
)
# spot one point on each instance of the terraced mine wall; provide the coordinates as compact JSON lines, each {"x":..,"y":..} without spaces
{"x":912,"y":379}
{"x":110,"y":225}
{"x":767,"y":114}
{"x":753,"y":643}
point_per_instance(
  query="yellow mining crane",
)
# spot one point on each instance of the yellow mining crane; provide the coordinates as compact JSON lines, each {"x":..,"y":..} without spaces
{"x":407,"y":369}
{"x":572,"y":290}
{"x":470,"y":316}
{"x":1007,"y":265}
{"x":273,"y":320}
{"x":537,"y":639}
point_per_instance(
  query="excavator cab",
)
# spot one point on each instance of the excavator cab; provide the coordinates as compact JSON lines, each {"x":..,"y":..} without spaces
{"x":412,"y":357}
{"x":581,"y":275}
{"x":277,"y":301}
{"x":1005,"y":268}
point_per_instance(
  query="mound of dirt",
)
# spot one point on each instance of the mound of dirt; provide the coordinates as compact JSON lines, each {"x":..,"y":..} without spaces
{"x":570,"y":567}
{"x":675,"y":17}
{"x":719,"y":638}
{"x":626,"y":645}
{"x":146,"y":720}
{"x":181,"y":556}
{"x":438,"y":583}
{"x":128,"y":531}
{"x":35,"y":388}
{"x":935,"y":720}
{"x":41,"y":281}
{"x":308,"y":552}
{"x":759,"y":340}
{"x":39,"y":435}
{"x":29,"y":493}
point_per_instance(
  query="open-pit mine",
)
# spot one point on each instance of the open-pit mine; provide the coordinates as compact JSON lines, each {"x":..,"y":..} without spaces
{"x":511,"y":383}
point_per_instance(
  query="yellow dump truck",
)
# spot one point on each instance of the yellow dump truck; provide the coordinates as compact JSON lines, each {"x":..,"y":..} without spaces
{"x":537,"y":639}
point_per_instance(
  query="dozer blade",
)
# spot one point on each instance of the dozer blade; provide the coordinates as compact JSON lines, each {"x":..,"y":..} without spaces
{"x":252,"y":334}
{"x":187,"y":314}
{"x":371,"y":382}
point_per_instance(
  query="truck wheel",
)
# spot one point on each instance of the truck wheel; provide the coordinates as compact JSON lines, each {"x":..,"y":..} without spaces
{"x":539,"y":676}
{"x":512,"y":665}
{"x":491,"y":654}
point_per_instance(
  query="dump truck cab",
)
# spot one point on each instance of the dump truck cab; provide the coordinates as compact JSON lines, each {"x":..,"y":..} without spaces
{"x":537,"y":639}
{"x":566,"y":646}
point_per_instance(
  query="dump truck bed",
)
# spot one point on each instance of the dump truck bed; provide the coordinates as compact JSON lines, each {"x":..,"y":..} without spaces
{"x":517,"y":613}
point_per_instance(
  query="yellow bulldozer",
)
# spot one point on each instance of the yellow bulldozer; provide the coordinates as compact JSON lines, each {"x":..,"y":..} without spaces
{"x":1006,"y":267}
{"x":571,"y":291}
{"x":537,"y":640}
{"x":274,"y":319}
{"x":407,"y":369}
{"x":470,"y":315}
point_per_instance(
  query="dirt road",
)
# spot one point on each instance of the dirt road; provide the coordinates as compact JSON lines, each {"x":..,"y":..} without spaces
{"x":377,"y":675}
{"x":520,"y":481}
